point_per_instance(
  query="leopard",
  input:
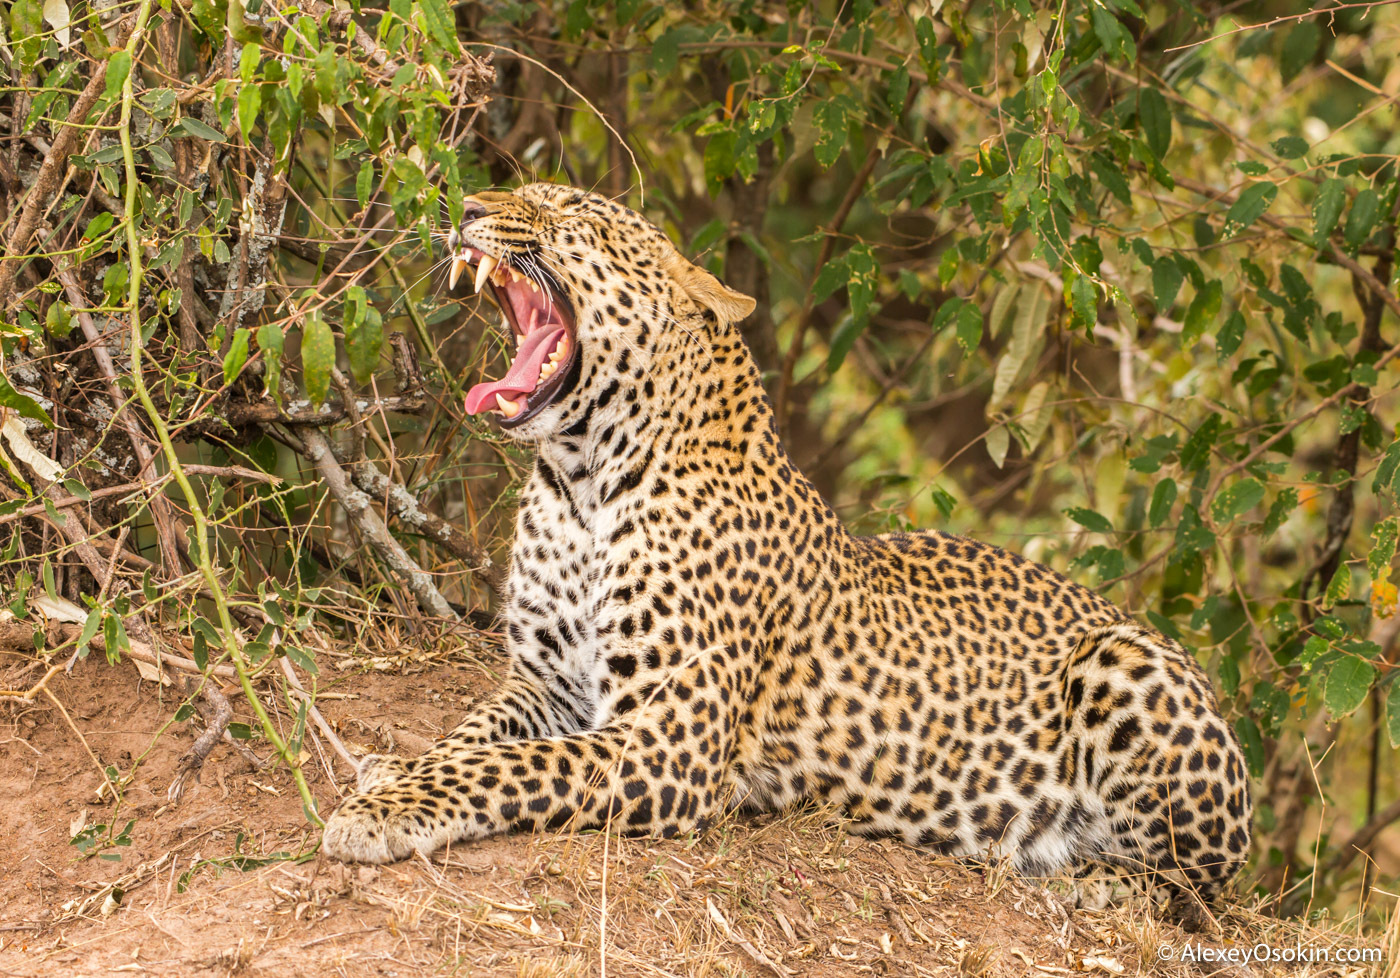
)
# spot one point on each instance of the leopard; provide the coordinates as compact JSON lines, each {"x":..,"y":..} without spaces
{"x":691,"y":629}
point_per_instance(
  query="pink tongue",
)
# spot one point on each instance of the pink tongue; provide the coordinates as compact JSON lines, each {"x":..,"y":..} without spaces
{"x":523,"y":374}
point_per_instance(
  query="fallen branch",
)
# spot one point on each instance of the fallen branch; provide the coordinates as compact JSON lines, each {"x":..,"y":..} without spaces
{"x":357,"y":506}
{"x":241,"y":413}
{"x":216,"y":721}
{"x":402,"y":504}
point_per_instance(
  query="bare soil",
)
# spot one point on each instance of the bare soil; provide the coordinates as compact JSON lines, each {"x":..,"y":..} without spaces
{"x":227,"y":881}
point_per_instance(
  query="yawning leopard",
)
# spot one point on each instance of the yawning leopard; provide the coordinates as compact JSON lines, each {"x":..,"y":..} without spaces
{"x":690,"y":626}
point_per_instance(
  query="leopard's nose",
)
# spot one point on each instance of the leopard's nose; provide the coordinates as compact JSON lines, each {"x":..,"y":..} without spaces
{"x":471,"y":210}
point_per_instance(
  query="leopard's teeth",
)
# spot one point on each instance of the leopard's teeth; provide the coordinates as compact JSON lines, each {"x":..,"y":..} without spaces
{"x":509,"y":408}
{"x":483,"y":271}
{"x":561,"y":349}
{"x":459,"y":265}
{"x":547,"y":371}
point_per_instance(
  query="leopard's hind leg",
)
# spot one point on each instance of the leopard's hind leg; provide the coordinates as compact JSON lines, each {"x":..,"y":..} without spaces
{"x":1148,"y":747}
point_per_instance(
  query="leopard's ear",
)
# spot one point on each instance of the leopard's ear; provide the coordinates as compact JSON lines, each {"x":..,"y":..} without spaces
{"x":704,"y":288}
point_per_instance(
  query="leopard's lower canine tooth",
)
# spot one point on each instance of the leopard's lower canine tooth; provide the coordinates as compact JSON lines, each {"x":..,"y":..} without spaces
{"x":483,"y":271}
{"x":509,"y":408}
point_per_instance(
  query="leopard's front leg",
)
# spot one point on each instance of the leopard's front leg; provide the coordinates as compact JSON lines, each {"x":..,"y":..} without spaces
{"x":517,"y":710}
{"x":657,"y":770}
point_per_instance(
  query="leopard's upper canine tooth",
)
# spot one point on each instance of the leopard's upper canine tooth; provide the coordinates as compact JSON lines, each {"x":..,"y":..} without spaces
{"x":483,"y":271}
{"x":509,"y":408}
{"x":458,"y":265}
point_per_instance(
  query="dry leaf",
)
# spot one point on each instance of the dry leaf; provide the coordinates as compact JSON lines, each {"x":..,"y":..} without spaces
{"x":56,"y":13}
{"x":24,"y":450}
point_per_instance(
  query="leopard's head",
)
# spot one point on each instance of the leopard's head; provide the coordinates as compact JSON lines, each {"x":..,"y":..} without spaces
{"x":594,"y":297}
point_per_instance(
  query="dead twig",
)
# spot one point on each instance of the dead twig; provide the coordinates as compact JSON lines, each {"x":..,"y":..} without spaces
{"x":216,"y":721}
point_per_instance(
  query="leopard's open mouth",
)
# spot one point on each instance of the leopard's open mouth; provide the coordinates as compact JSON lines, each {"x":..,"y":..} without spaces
{"x":543,"y":368}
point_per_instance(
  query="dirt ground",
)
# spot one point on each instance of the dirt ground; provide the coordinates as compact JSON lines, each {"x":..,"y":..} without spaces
{"x":227,"y":882}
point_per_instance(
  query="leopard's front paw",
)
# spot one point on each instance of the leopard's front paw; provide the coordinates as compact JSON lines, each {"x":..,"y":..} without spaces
{"x":382,"y":827}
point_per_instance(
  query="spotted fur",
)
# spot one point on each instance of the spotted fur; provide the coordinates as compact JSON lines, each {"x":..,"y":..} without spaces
{"x":690,"y":626}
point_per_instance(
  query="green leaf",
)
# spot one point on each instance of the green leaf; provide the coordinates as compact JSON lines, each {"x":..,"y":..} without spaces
{"x":969,"y":332}
{"x":864,"y":273}
{"x":118,"y":69}
{"x":90,"y":626}
{"x":1166,"y":283}
{"x":1196,"y":452}
{"x":364,"y":183}
{"x":944,"y":501}
{"x":25,"y":405}
{"x":665,"y":50}
{"x":1237,"y":500}
{"x":437,"y":16}
{"x":237,"y":355}
{"x":249,"y":104}
{"x":1362,"y":219}
{"x":1383,"y":550}
{"x":1392,"y":715}
{"x":364,"y":334}
{"x":897,"y":93}
{"x":998,"y":444}
{"x":927,"y":37}
{"x":190,"y":126}
{"x":270,"y":341}
{"x":1163,"y":499}
{"x":1252,"y":743}
{"x":1299,"y":48}
{"x":1248,"y":208}
{"x":1155,"y":118}
{"x":1348,"y":682}
{"x":1290,"y":147}
{"x":1385,"y":472}
{"x":721,"y":157}
{"x":1027,"y":307}
{"x":1339,"y":588}
{"x":844,"y":338}
{"x":1084,"y":301}
{"x":830,"y":120}
{"x":317,"y":356}
{"x":1228,"y":339}
{"x":1327,"y":208}
{"x":1090,"y":520}
{"x":1205,"y":306}
{"x":1284,"y":506}
{"x":833,"y":275}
